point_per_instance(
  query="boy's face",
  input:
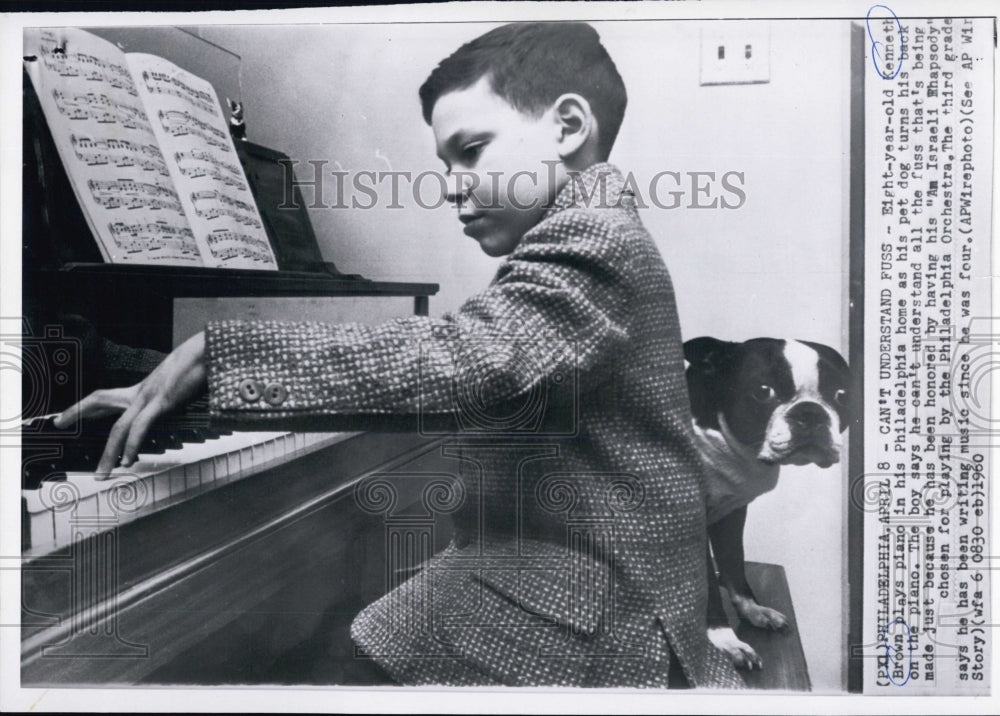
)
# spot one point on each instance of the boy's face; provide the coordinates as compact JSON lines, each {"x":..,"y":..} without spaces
{"x":495,"y":157}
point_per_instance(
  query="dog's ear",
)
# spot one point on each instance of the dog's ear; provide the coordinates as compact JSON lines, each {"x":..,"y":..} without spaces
{"x":707,"y":355}
{"x":830,"y":355}
{"x":836,"y":361}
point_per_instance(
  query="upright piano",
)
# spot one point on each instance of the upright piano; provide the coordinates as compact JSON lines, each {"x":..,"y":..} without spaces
{"x":221,"y":556}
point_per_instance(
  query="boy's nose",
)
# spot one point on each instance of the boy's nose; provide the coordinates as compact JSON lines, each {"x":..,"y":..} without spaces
{"x":458,"y":186}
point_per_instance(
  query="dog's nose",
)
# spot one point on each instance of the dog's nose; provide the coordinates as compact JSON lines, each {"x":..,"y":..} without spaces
{"x":808,"y":416}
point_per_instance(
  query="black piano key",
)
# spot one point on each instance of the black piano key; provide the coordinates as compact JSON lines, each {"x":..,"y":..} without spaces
{"x":34,"y":474}
{"x":80,"y":458}
{"x":153,"y":445}
{"x":173,"y":440}
{"x":190,"y":435}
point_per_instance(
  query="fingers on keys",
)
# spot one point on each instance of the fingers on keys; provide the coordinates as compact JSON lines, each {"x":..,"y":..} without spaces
{"x":96,"y":405}
{"x":127,"y":435}
{"x":137,"y":431}
{"x":113,"y":447}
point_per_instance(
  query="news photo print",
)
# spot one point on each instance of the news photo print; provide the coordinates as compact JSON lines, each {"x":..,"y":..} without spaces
{"x":929,"y":351}
{"x":821,"y":176}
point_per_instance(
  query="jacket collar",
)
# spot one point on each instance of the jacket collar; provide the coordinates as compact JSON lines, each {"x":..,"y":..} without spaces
{"x":599,"y":186}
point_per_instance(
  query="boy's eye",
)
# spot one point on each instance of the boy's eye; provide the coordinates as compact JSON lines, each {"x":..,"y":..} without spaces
{"x":471,"y":152}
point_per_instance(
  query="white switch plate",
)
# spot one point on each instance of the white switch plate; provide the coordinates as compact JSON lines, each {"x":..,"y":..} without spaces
{"x":735,"y":53}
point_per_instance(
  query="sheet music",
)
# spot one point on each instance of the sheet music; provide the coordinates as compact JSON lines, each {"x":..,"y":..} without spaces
{"x":105,"y":140}
{"x":188,"y":123}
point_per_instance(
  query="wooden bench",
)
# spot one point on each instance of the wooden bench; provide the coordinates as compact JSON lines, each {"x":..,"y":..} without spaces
{"x":784,"y":661}
{"x":326,"y":654}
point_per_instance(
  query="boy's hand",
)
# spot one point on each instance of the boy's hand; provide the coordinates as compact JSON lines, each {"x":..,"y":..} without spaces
{"x":178,"y":379}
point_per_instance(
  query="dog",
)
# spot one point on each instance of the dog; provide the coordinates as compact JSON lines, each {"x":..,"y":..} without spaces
{"x":756,"y":406}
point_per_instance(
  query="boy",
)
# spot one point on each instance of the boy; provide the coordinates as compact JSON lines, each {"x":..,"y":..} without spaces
{"x":579,"y":555}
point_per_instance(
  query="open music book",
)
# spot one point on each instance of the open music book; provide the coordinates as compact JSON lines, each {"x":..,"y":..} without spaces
{"x":147,"y":150}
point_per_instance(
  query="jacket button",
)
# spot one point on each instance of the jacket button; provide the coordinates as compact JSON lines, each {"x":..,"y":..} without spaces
{"x":250,"y":390}
{"x":275,"y":394}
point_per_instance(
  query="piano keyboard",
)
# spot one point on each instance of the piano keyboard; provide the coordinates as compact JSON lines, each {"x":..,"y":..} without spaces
{"x":67,"y":503}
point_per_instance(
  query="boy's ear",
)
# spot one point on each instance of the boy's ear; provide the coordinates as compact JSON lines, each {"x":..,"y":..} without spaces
{"x":576,"y":123}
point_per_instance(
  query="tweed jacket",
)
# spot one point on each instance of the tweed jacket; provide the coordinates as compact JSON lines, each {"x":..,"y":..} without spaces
{"x":579,"y":557}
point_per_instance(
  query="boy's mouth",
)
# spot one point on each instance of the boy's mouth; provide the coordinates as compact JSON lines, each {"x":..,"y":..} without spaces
{"x":470,"y":221}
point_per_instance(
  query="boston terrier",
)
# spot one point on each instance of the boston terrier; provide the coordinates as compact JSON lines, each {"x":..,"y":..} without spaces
{"x":756,"y":406}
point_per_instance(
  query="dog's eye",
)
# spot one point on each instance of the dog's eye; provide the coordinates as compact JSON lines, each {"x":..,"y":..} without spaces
{"x":763,"y":393}
{"x":840,"y":397}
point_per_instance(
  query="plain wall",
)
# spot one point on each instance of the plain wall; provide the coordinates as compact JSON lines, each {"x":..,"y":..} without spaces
{"x":774,"y":267}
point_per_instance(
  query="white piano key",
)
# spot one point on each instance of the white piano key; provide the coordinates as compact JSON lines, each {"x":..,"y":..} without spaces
{"x":263,"y":453}
{"x":51,"y":494}
{"x":193,"y":453}
{"x":177,"y":478}
{"x":192,"y":475}
{"x":87,"y":510}
{"x":220,"y":468}
{"x":33,"y":501}
{"x":161,"y":487}
{"x":232,"y":465}
{"x":246,"y":463}
{"x":123,"y":495}
{"x":280,"y":447}
{"x":87,"y":483}
{"x":78,"y":522}
{"x":41,"y":527}
{"x":206,"y":469}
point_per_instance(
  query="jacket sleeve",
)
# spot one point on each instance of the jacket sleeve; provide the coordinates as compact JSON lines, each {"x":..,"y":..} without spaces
{"x":559,"y":303}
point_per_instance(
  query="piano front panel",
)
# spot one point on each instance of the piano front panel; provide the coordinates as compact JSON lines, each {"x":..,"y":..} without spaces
{"x":292,"y":537}
{"x":163,"y":548}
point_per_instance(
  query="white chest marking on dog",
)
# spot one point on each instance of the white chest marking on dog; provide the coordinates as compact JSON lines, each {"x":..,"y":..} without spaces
{"x":734,"y":477}
{"x":804,"y":363}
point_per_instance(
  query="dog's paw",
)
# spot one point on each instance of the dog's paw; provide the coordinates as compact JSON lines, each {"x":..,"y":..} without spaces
{"x":742,"y":654}
{"x":760,"y":616}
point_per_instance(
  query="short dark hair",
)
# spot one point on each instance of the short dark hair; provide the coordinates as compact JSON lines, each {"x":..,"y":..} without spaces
{"x":530,"y":65}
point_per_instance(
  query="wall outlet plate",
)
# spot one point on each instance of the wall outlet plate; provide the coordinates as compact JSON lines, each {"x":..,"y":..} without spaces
{"x":735,"y":53}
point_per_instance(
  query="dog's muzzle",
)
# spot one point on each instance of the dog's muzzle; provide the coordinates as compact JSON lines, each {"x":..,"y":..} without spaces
{"x":801,"y":434}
